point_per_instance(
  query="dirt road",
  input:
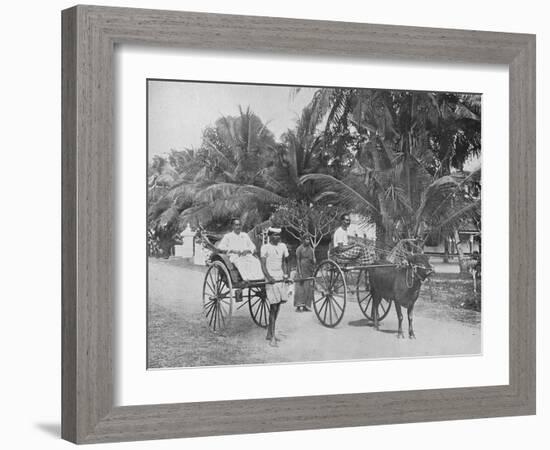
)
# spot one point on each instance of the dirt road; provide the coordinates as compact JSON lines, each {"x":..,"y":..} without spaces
{"x":178,"y":336}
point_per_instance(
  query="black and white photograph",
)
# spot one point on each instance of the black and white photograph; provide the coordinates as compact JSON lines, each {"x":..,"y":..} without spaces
{"x":295,"y":224}
{"x":258,"y":225}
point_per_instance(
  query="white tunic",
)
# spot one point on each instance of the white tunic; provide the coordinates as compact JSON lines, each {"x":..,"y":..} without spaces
{"x":274,"y":255}
{"x":341,"y":236}
{"x":233,"y":242}
{"x":248,"y":266}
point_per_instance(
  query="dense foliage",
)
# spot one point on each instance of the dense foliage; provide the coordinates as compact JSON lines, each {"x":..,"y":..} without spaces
{"x":395,"y":157}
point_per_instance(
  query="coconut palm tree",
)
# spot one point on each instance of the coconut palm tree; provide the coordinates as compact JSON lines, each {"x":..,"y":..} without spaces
{"x":398,"y":168}
{"x":225,"y":177}
{"x":301,"y":151}
{"x":160,"y":176}
{"x":445,"y":204}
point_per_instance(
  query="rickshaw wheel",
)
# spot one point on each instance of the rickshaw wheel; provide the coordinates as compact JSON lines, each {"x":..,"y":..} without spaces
{"x":364,"y":299}
{"x":258,"y":306}
{"x":329,"y":298}
{"x":217,"y":297}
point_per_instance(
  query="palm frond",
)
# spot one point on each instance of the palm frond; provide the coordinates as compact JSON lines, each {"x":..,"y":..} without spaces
{"x":463,"y":112}
{"x":264,"y":195}
{"x":230,"y":137}
{"x":349,"y":197}
{"x":156,"y":209}
{"x":196,"y":215}
{"x":229,"y":177}
{"x":222,"y":209}
{"x":325,"y":196}
{"x":472,"y":101}
{"x":226,"y":190}
{"x":200,"y":175}
{"x":216,"y":151}
{"x":179,"y":196}
{"x":460,"y":180}
{"x":403,"y":199}
{"x":454,"y":218}
{"x":269,"y":181}
{"x":337,"y":115}
{"x":168,"y":217}
{"x":435,"y":195}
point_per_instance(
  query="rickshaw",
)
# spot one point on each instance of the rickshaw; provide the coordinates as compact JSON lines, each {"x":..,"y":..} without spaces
{"x":221,"y":284}
{"x":223,"y":287}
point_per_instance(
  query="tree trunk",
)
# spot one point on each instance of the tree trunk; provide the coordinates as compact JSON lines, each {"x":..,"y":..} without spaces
{"x":380,"y":239}
{"x":446,"y":150}
{"x":461,"y":261}
{"x":384,"y":223}
{"x":445,"y":250}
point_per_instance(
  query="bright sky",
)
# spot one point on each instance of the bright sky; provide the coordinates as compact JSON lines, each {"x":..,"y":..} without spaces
{"x":179,"y":110}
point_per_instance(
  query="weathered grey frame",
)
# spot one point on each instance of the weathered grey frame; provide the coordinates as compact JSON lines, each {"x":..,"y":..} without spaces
{"x":89,"y":36}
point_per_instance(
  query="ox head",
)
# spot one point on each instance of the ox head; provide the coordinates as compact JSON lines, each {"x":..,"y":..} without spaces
{"x":420,"y":263}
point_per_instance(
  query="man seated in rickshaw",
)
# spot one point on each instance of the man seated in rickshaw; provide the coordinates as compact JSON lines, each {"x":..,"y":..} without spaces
{"x":346,"y":251}
{"x":240,"y":249}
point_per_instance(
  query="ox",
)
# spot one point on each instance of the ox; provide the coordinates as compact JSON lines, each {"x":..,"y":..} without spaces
{"x":400,"y":284}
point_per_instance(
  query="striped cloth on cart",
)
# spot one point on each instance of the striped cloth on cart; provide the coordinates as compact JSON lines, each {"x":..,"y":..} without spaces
{"x":357,"y":255}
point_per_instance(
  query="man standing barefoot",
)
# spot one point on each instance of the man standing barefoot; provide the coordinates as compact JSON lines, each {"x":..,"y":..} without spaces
{"x":274,"y":259}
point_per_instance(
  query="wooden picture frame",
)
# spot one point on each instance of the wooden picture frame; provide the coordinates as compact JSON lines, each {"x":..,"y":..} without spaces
{"x":89,"y":37}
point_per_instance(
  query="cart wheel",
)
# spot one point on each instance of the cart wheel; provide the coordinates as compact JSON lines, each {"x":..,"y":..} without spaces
{"x":329,"y":299}
{"x":258,"y":306}
{"x":217,"y":297}
{"x":364,"y":298}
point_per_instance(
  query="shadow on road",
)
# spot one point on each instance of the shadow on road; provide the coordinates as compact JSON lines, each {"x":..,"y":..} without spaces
{"x":388,"y":331}
{"x":361,"y":323}
{"x":368,"y":323}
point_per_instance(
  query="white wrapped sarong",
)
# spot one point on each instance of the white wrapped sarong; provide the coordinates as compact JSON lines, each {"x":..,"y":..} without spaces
{"x":248,"y":266}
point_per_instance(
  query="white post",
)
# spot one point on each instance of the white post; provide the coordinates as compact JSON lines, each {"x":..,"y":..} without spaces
{"x":185,"y":250}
